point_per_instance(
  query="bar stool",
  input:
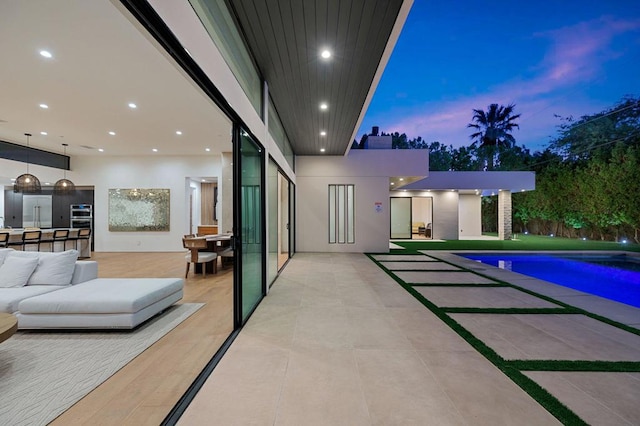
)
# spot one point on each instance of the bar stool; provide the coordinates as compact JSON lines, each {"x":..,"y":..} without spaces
{"x":83,"y":234}
{"x":59,"y":236}
{"x":29,"y":238}
{"x":4,"y":239}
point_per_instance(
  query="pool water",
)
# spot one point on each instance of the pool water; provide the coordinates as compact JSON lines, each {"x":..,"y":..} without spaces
{"x":612,"y":277}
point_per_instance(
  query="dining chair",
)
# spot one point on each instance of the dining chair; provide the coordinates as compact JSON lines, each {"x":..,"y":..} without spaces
{"x":194,"y":245}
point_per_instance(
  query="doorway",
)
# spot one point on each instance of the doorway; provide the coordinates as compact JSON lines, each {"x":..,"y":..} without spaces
{"x":283,"y":220}
{"x":411,"y":218}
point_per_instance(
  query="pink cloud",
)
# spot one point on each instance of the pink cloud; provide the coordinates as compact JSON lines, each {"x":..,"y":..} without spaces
{"x":575,"y":56}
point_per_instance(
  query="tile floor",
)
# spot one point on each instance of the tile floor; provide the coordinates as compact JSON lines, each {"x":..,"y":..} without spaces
{"x":339,"y":342}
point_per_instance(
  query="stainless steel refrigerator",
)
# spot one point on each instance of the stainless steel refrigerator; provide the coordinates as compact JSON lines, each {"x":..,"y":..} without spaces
{"x":36,"y":211}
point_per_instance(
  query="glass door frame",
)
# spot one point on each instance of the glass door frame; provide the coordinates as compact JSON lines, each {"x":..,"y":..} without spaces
{"x":391,"y":218}
{"x":237,"y":239}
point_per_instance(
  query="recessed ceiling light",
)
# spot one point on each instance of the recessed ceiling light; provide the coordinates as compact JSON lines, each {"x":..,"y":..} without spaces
{"x":393,"y":183}
{"x":44,"y":106}
{"x":112,"y":133}
{"x":13,"y":179}
{"x":132,"y":105}
{"x":46,"y":54}
{"x":321,"y":149}
{"x":100,"y":150}
{"x":401,"y":179}
{"x":324,"y":106}
{"x":207,"y":149}
{"x":43,"y":133}
{"x":47,"y":183}
{"x":323,"y":133}
{"x":326,"y":54}
{"x":155,"y":150}
{"x":178,"y":132}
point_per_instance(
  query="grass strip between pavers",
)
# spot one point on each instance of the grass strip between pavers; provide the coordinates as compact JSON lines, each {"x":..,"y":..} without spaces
{"x":563,"y":365}
{"x":456,"y":284}
{"x":570,"y":308}
{"x":511,"y":311}
{"x":537,"y":392}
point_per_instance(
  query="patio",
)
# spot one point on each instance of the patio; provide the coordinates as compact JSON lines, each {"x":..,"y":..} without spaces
{"x":339,"y":341}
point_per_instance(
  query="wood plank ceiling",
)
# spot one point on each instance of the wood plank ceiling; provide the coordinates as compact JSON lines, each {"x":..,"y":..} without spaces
{"x":286,"y":38}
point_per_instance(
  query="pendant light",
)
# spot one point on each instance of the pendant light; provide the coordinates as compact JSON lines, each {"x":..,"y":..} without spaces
{"x":64,"y":185}
{"x":27,"y":182}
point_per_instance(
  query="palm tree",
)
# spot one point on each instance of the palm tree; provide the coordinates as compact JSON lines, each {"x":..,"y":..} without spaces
{"x":494,"y":129}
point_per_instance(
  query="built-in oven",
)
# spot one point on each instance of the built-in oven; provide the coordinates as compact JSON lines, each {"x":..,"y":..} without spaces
{"x":81,"y":216}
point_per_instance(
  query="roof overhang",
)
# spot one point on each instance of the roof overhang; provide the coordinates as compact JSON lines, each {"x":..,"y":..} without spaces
{"x":485,"y":183}
{"x":286,"y":41}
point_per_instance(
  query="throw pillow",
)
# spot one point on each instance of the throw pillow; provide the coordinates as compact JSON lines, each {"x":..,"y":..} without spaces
{"x":4,"y":253}
{"x":53,"y":268}
{"x":15,"y":271}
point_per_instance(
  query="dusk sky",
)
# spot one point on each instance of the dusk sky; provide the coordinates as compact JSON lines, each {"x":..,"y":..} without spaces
{"x":547,"y":57}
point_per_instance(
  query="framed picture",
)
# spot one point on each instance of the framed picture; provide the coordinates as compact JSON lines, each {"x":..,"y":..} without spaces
{"x":139,"y":210}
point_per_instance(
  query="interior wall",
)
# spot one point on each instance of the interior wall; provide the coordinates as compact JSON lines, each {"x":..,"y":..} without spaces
{"x":106,"y":173}
{"x":421,"y":210}
{"x":470,"y":215}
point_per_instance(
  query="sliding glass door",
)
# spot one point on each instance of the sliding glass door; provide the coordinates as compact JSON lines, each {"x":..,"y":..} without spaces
{"x":249,"y":216}
{"x":401,"y":217}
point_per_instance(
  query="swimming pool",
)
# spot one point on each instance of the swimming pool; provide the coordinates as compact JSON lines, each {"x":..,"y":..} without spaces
{"x":612,"y":277}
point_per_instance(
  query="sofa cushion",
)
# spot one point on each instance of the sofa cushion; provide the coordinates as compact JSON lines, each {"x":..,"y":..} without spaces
{"x":103,"y":295}
{"x":15,"y":271}
{"x":4,"y":253}
{"x":11,"y":297}
{"x":53,"y":268}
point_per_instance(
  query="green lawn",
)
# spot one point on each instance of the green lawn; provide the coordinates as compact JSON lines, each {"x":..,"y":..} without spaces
{"x":524,"y":242}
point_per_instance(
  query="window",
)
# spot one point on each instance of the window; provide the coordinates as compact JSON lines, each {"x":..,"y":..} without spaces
{"x":342,"y":214}
{"x":220,"y":25}
{"x":276,"y":130}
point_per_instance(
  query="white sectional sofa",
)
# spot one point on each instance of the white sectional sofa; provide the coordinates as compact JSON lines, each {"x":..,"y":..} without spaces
{"x":55,"y":290}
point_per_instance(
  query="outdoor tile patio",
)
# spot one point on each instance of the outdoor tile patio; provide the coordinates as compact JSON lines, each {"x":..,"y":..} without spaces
{"x":419,"y":266}
{"x":483,"y":297}
{"x":552,"y":337}
{"x":392,"y":362}
{"x":442,"y":278}
{"x":601,"y":398}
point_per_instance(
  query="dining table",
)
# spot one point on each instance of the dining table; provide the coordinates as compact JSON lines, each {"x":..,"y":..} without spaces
{"x":216,"y":243}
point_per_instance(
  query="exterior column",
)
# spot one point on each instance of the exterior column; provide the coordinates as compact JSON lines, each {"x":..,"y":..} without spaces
{"x":504,"y":215}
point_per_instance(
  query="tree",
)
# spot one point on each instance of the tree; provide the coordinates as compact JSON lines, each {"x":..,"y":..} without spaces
{"x":493,"y":129}
{"x":440,"y":157}
{"x":595,"y":135}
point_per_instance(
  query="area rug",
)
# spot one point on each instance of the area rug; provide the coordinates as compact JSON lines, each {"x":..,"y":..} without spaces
{"x":42,"y":374}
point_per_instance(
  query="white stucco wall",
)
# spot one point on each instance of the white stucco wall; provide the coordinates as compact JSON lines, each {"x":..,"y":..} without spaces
{"x":369,"y":171}
{"x":470,"y":215}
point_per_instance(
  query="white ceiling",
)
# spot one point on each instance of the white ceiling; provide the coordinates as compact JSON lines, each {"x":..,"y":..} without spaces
{"x":102,"y":60}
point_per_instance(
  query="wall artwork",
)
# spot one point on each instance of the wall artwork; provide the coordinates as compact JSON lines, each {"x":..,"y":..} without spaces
{"x":139,"y":210}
